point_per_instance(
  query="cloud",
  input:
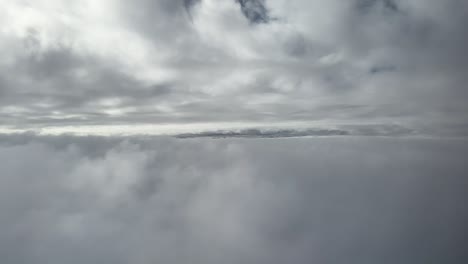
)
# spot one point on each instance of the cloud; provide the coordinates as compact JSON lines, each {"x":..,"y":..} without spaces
{"x":267,"y":133}
{"x":254,"y":10}
{"x":146,"y":200}
{"x":378,"y":87}
{"x":171,"y":62}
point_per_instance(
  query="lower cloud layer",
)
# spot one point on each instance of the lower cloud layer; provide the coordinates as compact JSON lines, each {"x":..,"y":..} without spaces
{"x":164,"y":200}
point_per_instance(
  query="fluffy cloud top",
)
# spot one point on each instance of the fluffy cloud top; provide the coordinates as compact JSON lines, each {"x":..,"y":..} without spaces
{"x":162,"y":200}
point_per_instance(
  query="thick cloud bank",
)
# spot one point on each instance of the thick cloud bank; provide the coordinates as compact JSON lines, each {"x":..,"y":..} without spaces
{"x":118,"y":62}
{"x":163,"y":200}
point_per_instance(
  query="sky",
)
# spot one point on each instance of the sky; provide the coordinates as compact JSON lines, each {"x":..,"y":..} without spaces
{"x":171,"y":66}
{"x":233,"y":131}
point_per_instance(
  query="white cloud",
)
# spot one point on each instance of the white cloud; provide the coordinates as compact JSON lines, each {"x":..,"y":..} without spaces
{"x":213,"y":63}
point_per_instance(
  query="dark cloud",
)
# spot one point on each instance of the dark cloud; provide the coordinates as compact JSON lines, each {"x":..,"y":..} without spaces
{"x":188,"y":4}
{"x":380,"y":130}
{"x":146,"y":200}
{"x":254,"y":10}
{"x":382,"y":69}
{"x":367,"y":5}
{"x":266,"y":133}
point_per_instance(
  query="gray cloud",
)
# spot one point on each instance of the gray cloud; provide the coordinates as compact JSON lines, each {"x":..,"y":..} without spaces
{"x":147,"y":200}
{"x":266,"y":133}
{"x":255,"y":10}
{"x":365,"y":100}
{"x":148,"y":62}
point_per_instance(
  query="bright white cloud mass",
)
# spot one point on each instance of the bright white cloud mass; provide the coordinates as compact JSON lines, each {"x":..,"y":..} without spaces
{"x":233,"y":131}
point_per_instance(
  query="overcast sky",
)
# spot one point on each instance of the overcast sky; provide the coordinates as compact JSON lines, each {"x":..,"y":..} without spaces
{"x":71,"y":65}
{"x":233,"y":131}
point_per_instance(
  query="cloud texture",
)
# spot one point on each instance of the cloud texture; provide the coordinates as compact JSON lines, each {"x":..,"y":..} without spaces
{"x":110,"y":62}
{"x":382,"y":82}
{"x":162,"y":200}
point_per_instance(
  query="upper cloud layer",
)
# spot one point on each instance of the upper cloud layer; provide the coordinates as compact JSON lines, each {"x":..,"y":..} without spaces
{"x":116,"y":62}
